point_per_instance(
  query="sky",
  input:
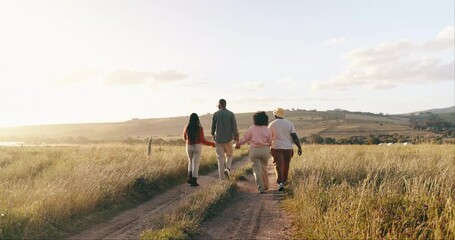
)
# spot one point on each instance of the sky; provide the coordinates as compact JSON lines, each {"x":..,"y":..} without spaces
{"x":109,"y":60}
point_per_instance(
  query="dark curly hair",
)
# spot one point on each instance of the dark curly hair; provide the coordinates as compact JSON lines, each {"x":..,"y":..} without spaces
{"x":260,"y":118}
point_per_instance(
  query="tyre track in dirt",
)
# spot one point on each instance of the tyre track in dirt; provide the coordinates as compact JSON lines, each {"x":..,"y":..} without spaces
{"x":250,"y":215}
{"x":149,"y":215}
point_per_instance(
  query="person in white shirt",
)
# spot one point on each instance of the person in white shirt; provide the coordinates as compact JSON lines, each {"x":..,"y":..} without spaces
{"x":283,"y":136}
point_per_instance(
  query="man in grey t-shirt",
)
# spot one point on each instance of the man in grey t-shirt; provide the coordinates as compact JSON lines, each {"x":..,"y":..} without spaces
{"x":224,"y":130}
{"x":283,"y":136}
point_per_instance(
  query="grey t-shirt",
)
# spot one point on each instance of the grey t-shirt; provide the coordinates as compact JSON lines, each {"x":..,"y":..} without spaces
{"x":224,"y":126}
{"x":281,"y":133}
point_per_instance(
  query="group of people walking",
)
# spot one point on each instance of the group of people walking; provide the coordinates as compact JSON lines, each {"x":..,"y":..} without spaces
{"x":264,"y":139}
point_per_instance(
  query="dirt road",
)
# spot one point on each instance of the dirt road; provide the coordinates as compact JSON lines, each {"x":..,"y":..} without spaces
{"x":250,"y":215}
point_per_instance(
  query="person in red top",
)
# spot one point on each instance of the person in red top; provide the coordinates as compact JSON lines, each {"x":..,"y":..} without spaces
{"x":194,"y":137}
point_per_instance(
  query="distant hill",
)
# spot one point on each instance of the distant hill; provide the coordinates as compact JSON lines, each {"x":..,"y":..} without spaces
{"x":336,"y":124}
{"x":437,"y":110}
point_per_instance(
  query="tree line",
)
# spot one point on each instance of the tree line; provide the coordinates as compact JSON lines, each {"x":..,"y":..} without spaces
{"x":373,"y":139}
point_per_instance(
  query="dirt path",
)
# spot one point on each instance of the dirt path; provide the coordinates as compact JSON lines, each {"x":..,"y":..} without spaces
{"x":131,"y":223}
{"x":248,"y":216}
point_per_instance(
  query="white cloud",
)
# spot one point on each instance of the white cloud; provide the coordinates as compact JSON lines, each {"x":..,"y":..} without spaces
{"x":336,"y":41}
{"x":252,"y":86}
{"x":128,"y":77}
{"x":445,"y":39}
{"x":391,"y":64}
{"x":168,"y":75}
{"x":268,"y":100}
{"x":288,"y":82}
{"x":256,"y":100}
{"x":78,"y":76}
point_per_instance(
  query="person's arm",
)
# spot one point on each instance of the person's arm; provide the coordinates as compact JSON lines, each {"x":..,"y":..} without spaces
{"x":213,"y":127}
{"x":269,"y":139}
{"x":185,"y":136}
{"x":295,"y":139}
{"x":234,"y":128}
{"x":203,"y":141}
{"x":246,"y":138}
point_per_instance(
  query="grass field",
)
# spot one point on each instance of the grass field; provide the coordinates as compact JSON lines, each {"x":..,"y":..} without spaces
{"x":49,"y":191}
{"x":336,"y":192}
{"x":362,"y":192}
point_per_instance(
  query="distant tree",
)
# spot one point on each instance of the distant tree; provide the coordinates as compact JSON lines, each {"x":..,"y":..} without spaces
{"x":329,"y":140}
{"x":373,"y":140}
{"x":315,"y":139}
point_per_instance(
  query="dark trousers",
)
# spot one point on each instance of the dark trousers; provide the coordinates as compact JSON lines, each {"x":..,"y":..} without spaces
{"x":281,"y":160}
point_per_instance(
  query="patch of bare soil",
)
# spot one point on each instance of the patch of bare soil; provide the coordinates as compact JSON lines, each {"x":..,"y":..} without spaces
{"x":131,"y":223}
{"x":250,"y":215}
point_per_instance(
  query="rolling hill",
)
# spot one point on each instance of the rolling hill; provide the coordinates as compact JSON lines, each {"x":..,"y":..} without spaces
{"x":335,"y":124}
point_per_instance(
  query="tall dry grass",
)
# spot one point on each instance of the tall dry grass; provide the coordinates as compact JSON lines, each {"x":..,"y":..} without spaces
{"x":379,"y":192}
{"x":45,"y":190}
{"x":184,"y":221}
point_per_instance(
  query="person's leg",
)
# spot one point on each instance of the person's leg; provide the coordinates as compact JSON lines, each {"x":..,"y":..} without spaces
{"x":196,"y":159}
{"x":277,"y":155}
{"x":229,"y":154}
{"x":255,"y":157}
{"x":189,"y":153}
{"x":264,"y":163}
{"x":288,"y":154}
{"x":196,"y":156}
{"x":221,"y":159}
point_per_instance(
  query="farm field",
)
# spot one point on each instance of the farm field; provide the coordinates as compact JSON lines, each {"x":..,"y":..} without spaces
{"x":334,"y":192}
{"x":358,"y":192}
{"x":50,"y":191}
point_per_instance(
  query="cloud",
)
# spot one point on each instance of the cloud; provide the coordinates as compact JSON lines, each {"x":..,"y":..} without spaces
{"x":128,"y":77}
{"x":336,"y":41}
{"x":256,"y":100}
{"x":253,"y":86}
{"x":269,"y":100}
{"x":392,"y":64}
{"x":387,"y":51}
{"x":168,"y":75}
{"x":78,"y":76}
{"x":288,"y":82}
{"x":445,"y":39}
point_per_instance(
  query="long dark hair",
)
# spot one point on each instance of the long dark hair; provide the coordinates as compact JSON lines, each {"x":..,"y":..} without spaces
{"x":192,"y":129}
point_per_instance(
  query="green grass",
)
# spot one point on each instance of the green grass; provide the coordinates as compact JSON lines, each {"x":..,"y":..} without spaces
{"x":50,"y":191}
{"x":379,"y":192}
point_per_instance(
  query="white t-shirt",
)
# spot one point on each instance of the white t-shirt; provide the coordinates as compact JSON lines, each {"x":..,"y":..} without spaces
{"x":281,"y":133}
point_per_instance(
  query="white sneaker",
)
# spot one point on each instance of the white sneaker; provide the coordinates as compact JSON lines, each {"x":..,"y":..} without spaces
{"x":227,"y":173}
{"x":281,"y":187}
